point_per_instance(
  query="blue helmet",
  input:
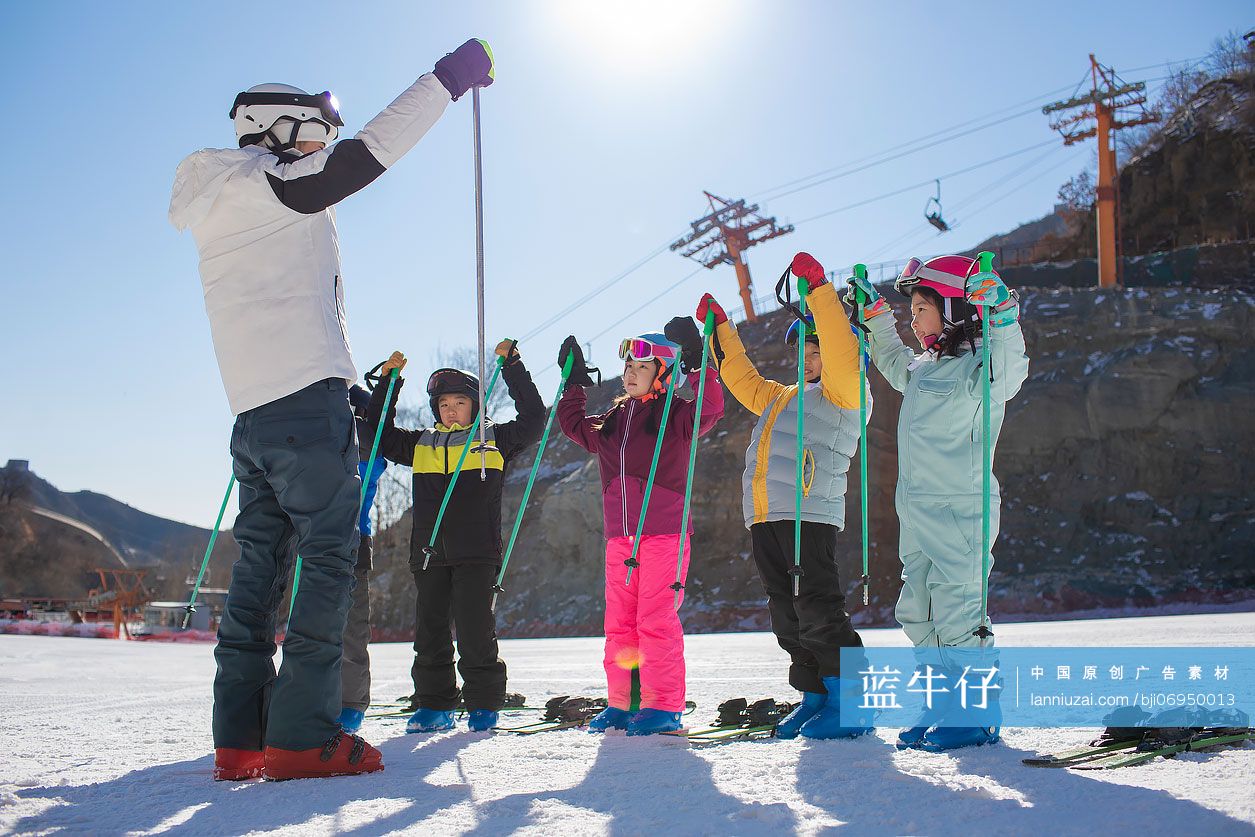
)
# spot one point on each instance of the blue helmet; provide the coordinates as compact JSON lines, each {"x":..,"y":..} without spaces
{"x":812,"y":336}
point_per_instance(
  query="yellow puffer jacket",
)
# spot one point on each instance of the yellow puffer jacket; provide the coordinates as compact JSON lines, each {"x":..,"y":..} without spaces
{"x":831,"y":422}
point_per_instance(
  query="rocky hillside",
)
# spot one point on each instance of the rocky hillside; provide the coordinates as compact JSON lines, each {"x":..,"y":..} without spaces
{"x":1121,"y":463}
{"x":43,"y":556}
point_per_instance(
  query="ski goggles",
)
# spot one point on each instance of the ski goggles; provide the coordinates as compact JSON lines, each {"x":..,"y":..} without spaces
{"x":910,"y":274}
{"x":444,"y":381}
{"x":806,"y":329}
{"x":637,"y":348}
{"x":325,"y":103}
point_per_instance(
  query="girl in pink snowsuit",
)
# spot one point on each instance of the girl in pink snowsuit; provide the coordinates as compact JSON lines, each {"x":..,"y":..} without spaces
{"x":643,"y":629}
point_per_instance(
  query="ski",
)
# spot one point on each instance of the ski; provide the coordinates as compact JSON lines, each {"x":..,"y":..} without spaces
{"x":407,"y":711}
{"x":739,"y":720}
{"x":1152,"y":749}
{"x":1077,"y":755}
{"x":561,"y":712}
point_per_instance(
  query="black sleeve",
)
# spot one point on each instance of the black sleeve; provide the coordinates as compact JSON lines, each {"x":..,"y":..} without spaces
{"x":515,"y":436}
{"x":344,"y":168}
{"x":395,"y":444}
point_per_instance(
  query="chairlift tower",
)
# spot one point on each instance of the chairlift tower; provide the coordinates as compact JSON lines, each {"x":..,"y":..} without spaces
{"x":1108,"y":96}
{"x":723,"y":236}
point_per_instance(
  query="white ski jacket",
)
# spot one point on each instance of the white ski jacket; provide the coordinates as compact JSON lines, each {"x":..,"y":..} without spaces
{"x":269,"y":256}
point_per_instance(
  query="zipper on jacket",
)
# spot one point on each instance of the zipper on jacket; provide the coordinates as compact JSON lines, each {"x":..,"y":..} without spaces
{"x":627,"y":426}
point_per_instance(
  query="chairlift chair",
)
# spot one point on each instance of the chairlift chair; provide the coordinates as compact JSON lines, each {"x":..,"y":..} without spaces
{"x":932,"y":211}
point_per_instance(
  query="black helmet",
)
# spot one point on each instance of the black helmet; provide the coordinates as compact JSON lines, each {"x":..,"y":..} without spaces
{"x":450,"y":381}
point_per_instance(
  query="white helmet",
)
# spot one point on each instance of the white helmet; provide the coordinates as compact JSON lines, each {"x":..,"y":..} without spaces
{"x":280,"y":115}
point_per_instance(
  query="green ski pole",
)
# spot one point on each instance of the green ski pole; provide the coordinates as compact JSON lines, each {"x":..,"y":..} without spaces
{"x":430,"y":549}
{"x":707,"y":331}
{"x":497,"y":589}
{"x":860,"y":270}
{"x":213,"y":538}
{"x":631,"y":562}
{"x":986,"y":261}
{"x":803,"y":288}
{"x":374,"y":450}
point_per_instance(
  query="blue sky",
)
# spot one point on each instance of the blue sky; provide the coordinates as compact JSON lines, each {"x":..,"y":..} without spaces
{"x":606,"y":123}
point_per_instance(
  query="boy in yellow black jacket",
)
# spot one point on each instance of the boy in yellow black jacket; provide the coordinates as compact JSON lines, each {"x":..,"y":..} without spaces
{"x":813,"y":627}
{"x":455,"y":584}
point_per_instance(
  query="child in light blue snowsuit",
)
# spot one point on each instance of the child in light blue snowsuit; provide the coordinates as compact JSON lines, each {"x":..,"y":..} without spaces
{"x":940,"y":464}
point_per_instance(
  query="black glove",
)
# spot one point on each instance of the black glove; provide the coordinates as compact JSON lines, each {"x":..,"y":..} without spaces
{"x":579,"y":376}
{"x":683,"y":332}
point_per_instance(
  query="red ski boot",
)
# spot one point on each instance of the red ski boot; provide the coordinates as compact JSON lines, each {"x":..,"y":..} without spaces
{"x":232,"y":765}
{"x":342,"y":755}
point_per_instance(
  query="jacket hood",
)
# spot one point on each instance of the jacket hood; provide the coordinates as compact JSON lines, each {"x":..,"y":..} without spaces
{"x":199,"y":180}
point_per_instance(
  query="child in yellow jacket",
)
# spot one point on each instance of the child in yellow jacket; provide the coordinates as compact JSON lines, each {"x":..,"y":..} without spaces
{"x":812,"y":627}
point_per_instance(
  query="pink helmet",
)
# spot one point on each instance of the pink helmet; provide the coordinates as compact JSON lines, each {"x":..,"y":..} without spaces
{"x":947,"y":275}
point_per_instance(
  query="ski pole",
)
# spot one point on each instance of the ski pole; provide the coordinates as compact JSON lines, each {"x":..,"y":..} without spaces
{"x":374,"y":450}
{"x":803,"y":288}
{"x":497,"y":589}
{"x":986,"y":262}
{"x":479,"y":280}
{"x":430,"y":549}
{"x":707,"y":331}
{"x":860,"y":270}
{"x":631,"y":562}
{"x":213,"y":538}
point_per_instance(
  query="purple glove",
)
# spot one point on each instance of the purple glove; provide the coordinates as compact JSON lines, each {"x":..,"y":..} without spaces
{"x":470,"y":65}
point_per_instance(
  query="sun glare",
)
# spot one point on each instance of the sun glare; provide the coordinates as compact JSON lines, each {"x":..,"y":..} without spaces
{"x":645,"y":33}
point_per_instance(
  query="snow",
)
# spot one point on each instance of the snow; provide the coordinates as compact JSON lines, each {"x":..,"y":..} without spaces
{"x":108,"y":737}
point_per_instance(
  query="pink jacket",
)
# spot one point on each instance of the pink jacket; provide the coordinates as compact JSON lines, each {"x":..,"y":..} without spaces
{"x":625,"y":446}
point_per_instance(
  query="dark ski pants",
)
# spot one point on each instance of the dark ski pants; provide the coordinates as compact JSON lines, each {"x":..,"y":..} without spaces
{"x":296,"y":462}
{"x":355,"y":666}
{"x":456,"y":596}
{"x":814,"y":627}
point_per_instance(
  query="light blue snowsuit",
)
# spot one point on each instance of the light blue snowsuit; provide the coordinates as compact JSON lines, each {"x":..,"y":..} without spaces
{"x":939,"y":476}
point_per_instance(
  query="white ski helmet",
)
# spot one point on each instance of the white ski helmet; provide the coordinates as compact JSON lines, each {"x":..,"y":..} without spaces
{"x":279,"y":116}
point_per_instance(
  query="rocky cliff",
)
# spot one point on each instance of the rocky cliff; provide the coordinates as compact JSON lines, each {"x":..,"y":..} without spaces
{"x":1122,"y":463}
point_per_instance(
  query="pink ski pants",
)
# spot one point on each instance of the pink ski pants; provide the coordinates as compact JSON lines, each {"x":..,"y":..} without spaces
{"x":643,"y":629}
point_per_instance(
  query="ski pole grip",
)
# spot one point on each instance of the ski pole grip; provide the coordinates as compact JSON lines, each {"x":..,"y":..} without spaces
{"x":860,"y":272}
{"x":803,"y":288}
{"x":986,"y":260}
{"x":709,"y":325}
{"x":567,"y":365}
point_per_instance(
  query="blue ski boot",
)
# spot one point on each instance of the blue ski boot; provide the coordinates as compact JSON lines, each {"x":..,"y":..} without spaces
{"x":482,"y":720}
{"x":928,"y":717}
{"x":430,"y":720}
{"x":609,"y":718}
{"x":811,"y":703}
{"x":952,"y":738}
{"x":351,"y":720}
{"x":828,"y":724}
{"x":981,"y":725}
{"x":653,"y":721}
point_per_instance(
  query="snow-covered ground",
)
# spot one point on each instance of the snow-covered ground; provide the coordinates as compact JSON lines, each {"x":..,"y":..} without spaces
{"x":108,"y":737}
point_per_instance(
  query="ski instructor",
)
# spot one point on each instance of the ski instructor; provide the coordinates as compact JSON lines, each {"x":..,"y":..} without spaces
{"x":264,"y":224}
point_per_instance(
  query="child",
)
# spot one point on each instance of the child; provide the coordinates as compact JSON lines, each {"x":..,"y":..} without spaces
{"x":939,"y":494}
{"x":643,"y":629}
{"x":813,"y":627}
{"x":456,"y":586}
{"x":355,"y":662}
